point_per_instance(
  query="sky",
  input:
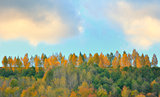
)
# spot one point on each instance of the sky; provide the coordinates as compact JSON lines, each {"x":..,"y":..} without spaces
{"x":74,"y":26}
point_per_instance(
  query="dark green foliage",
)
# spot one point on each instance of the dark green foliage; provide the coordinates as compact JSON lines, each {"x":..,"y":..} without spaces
{"x":145,"y":87}
{"x":110,"y":57}
{"x":156,"y":88}
{"x":14,"y":83}
{"x":40,"y":74}
{"x":112,"y":80}
{"x":29,"y":72}
{"x":115,"y":75}
{"x":6,"y":73}
{"x":116,"y":91}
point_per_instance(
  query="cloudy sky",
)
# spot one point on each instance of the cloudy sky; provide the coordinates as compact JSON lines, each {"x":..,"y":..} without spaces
{"x":71,"y":26}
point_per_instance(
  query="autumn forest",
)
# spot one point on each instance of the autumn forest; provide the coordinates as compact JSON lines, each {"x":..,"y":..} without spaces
{"x":97,"y":75}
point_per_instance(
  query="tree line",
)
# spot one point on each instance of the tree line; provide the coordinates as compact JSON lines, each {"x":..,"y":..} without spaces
{"x":110,"y":75}
{"x":104,"y":61}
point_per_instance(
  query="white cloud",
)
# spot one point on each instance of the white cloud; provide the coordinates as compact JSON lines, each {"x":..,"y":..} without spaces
{"x":139,"y":19}
{"x":140,"y":25}
{"x":48,"y":21}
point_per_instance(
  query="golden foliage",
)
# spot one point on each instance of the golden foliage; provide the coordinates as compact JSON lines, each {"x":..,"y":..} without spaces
{"x":140,"y":95}
{"x":26,"y":61}
{"x":147,"y":62}
{"x":115,"y":63}
{"x":96,"y":58}
{"x":37,"y":62}
{"x":80,"y":60}
{"x":84,"y":90}
{"x":73,"y":94}
{"x":125,"y":92}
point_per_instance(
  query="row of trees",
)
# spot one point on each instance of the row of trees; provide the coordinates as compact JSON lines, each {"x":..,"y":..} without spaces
{"x":83,"y":81}
{"x":104,"y":61}
{"x":110,"y":75}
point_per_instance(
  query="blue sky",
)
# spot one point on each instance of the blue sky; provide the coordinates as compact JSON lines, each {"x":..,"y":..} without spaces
{"x":52,"y":26}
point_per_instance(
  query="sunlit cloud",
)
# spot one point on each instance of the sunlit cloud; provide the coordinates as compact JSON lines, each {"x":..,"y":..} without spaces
{"x":139,"y":25}
{"x":49,"y":23}
{"x":138,"y":20}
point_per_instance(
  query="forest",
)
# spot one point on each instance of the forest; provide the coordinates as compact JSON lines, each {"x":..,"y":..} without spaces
{"x":97,"y":75}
